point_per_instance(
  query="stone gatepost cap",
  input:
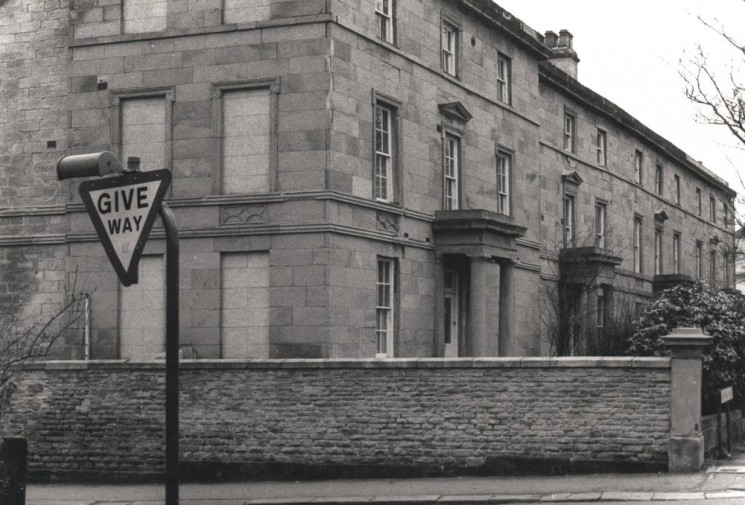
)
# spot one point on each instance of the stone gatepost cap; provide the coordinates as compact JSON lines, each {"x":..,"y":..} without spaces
{"x":687,"y":342}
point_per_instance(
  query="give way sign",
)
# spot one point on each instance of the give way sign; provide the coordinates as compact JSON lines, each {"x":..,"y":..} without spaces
{"x":123,"y":210}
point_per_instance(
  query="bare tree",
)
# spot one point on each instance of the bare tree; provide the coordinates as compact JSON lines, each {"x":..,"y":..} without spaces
{"x":572,"y":320}
{"x":21,"y":342}
{"x":719,"y":93}
{"x":720,"y":97}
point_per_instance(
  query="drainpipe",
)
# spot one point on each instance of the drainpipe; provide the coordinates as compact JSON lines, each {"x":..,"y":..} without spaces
{"x":87,"y":333}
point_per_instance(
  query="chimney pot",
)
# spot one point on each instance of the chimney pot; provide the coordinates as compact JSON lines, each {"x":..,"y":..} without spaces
{"x":551,"y":39}
{"x":133,"y":163}
{"x":565,"y":39}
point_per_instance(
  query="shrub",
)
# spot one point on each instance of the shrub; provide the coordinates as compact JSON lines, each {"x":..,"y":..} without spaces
{"x":720,"y":315}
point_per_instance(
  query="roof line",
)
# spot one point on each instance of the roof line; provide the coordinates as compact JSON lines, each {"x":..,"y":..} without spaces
{"x":564,"y":82}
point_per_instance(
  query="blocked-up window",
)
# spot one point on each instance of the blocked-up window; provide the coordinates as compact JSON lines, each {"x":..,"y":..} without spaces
{"x":142,"y":317}
{"x":245,"y":305}
{"x":141,"y":16}
{"x":246,"y":140}
{"x":143,"y":131}
{"x":246,"y":11}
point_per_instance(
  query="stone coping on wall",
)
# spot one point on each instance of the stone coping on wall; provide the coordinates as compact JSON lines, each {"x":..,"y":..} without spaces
{"x":396,"y":363}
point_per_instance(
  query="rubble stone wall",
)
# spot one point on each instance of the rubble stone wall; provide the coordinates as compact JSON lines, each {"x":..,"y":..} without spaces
{"x":447,"y":416}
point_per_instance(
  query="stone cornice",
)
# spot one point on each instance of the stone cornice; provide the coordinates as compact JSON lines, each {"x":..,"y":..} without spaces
{"x":589,"y":255}
{"x":407,"y":363}
{"x":476,"y":220}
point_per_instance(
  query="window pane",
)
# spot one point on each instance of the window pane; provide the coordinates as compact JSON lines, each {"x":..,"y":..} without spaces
{"x":384,"y":310}
{"x":451,"y":168}
{"x":382,"y":185}
{"x":503,"y":183}
{"x":449,"y":34}
{"x":568,"y":132}
{"x":600,"y":225}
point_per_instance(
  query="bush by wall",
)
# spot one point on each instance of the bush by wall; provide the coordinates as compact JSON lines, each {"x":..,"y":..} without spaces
{"x":721,"y":315}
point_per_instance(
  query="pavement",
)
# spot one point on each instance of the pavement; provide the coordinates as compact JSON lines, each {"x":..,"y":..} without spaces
{"x":721,"y":482}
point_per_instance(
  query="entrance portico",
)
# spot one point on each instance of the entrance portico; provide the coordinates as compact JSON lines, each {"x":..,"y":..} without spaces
{"x":475,"y":252}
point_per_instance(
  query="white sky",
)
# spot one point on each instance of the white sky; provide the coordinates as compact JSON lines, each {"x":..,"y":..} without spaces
{"x":631,"y":53}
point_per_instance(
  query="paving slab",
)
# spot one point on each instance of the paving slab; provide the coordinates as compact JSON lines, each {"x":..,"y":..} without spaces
{"x":668,"y":496}
{"x":407,"y":500}
{"x":52,"y":501}
{"x":725,"y":494}
{"x":295,"y":500}
{"x":575,"y":497}
{"x":625,"y":496}
{"x":466,"y":499}
{"x":340,"y":500}
{"x":515,"y":498}
{"x":555,"y":497}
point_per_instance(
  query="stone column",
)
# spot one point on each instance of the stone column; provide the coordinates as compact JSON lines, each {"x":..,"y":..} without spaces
{"x":438,"y":347}
{"x":483,"y":312}
{"x":505,"y":309}
{"x":476,"y":307}
{"x":686,"y":444}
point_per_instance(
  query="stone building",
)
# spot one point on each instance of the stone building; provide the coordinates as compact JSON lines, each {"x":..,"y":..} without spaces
{"x":351,"y":178}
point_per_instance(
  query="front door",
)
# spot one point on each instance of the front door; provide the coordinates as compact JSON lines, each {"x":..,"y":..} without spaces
{"x":452,"y":311}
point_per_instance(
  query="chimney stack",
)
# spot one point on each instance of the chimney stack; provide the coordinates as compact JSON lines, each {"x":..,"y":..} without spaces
{"x":565,"y":39}
{"x":551,"y":39}
{"x":564,"y":57}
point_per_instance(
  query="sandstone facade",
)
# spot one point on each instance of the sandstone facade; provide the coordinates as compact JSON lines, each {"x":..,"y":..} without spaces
{"x":347,"y":183}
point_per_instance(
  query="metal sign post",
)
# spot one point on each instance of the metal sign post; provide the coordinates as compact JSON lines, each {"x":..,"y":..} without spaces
{"x":172,"y":358}
{"x":123,"y":209}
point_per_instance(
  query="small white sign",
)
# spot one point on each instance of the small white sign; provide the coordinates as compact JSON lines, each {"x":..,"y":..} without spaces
{"x":727,"y":395}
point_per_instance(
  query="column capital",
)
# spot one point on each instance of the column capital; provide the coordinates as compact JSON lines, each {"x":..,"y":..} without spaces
{"x":687,"y":343}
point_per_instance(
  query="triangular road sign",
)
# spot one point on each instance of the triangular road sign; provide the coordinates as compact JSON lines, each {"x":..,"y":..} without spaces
{"x":123,"y":210}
